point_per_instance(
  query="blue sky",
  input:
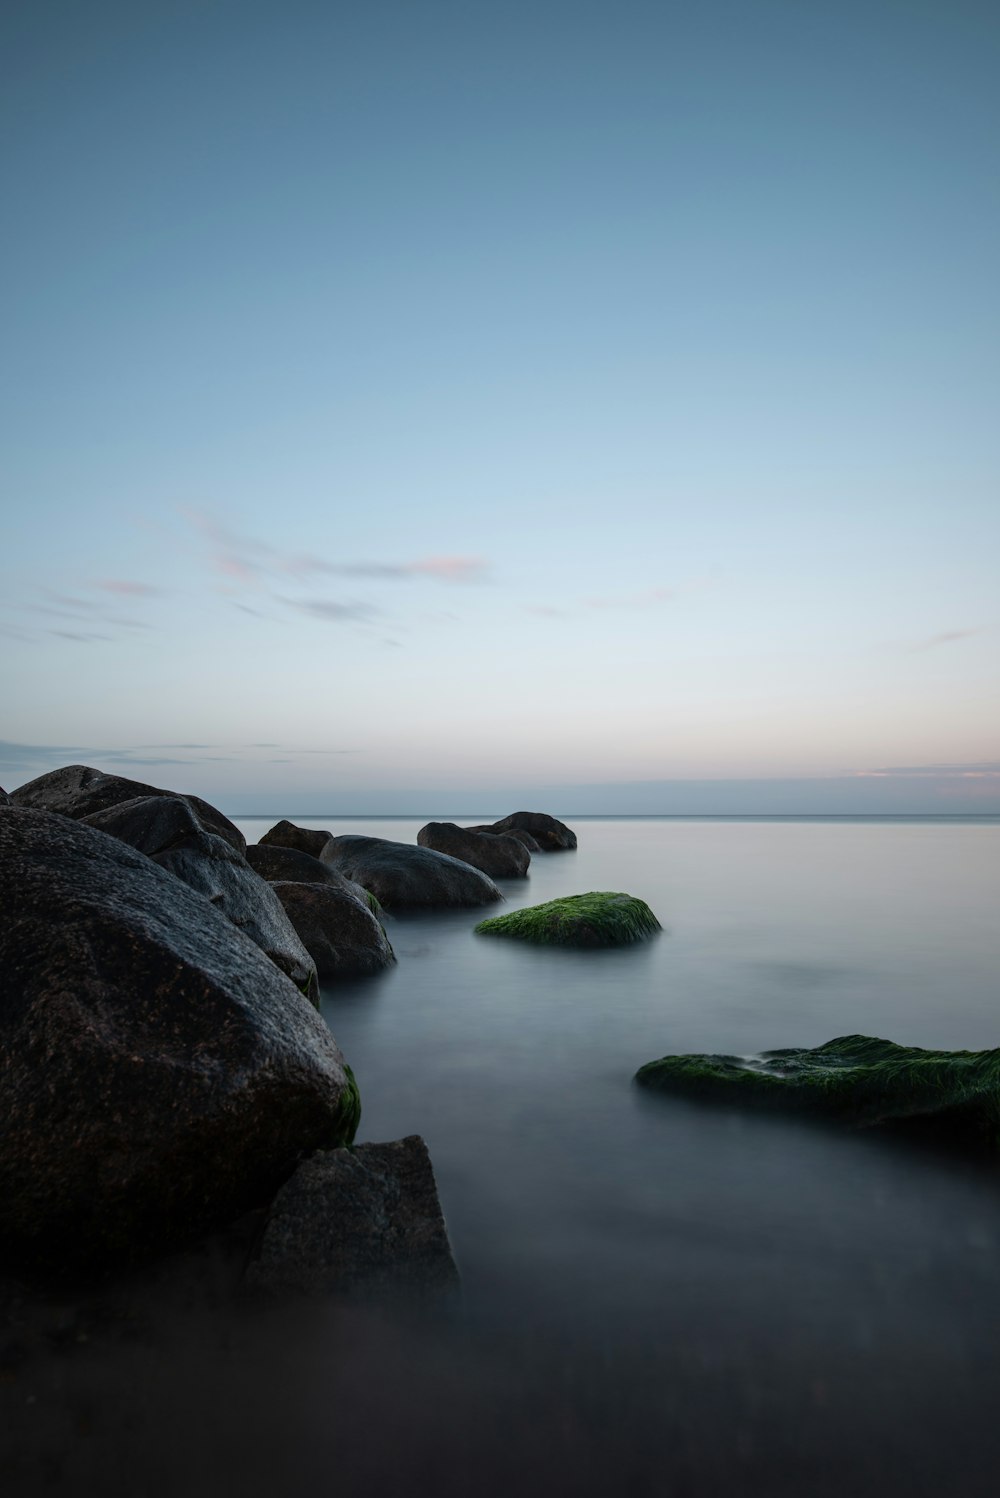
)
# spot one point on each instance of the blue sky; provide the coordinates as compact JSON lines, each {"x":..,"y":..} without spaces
{"x":420,"y":406}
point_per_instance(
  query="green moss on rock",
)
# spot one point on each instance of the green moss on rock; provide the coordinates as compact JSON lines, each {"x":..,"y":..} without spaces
{"x":855,"y":1079}
{"x":350,"y":1110}
{"x":601,"y":918}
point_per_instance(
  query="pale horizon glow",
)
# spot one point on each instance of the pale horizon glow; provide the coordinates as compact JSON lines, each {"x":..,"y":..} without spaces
{"x":435,"y":409}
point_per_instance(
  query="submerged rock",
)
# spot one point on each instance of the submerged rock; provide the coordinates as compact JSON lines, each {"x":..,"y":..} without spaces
{"x":78,"y":791}
{"x":167,"y":830}
{"x":302,"y":839}
{"x":499,"y":856}
{"x":159,"y":1076}
{"x":551,"y":835}
{"x":855,"y":1079}
{"x":400,"y":875}
{"x":337,"y":927}
{"x":361,"y":1223}
{"x":601,"y":918}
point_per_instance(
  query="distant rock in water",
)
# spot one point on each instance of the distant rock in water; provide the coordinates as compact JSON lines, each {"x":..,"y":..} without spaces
{"x":78,"y":791}
{"x":499,"y":856}
{"x":302,"y":839}
{"x":551,"y":835}
{"x":524,"y":838}
{"x":365,"y":1224}
{"x":158,"y":1075}
{"x":855,"y":1079}
{"x":337,"y":927}
{"x":276,"y":863}
{"x":167,"y":830}
{"x":599,"y":919}
{"x":400,"y":875}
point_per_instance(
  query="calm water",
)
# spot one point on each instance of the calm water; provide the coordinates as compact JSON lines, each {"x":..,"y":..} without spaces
{"x":684,"y":1297}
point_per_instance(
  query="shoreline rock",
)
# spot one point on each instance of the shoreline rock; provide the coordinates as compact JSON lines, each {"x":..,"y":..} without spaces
{"x":401,"y":875}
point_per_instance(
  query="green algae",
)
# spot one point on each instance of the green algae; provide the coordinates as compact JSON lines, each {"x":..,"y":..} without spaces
{"x":350,"y":1111}
{"x":855,"y":1079}
{"x":602,"y":918}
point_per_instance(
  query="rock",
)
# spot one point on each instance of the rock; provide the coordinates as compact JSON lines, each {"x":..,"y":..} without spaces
{"x":337,"y":927}
{"x":551,"y":835}
{"x":524,"y":838}
{"x":4,"y":798}
{"x":158,"y":1075}
{"x":398,"y":874}
{"x":78,"y":791}
{"x":273,"y":863}
{"x":598,"y":919}
{"x":500,"y":857}
{"x":855,"y":1079}
{"x":303,"y":839}
{"x":362,"y":1223}
{"x":167,"y":830}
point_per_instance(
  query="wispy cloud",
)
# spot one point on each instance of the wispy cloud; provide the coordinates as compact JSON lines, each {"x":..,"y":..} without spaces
{"x":332,"y":609}
{"x":36,"y":759}
{"x":977,"y":770}
{"x":128,"y":588}
{"x":946,"y":637}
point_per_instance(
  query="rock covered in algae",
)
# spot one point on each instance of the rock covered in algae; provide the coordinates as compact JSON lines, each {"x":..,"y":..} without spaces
{"x":855,"y":1079}
{"x":602,"y":918}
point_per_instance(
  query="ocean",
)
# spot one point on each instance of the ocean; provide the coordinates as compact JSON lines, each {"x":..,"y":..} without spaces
{"x":664,"y":1296}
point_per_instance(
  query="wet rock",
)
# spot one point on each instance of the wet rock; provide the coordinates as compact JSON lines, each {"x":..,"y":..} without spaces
{"x":400,"y":875}
{"x":602,"y":918}
{"x":159,"y":1076}
{"x":551,"y":835}
{"x":524,"y":838}
{"x":364,"y":1223}
{"x":78,"y":791}
{"x":337,"y":927}
{"x":302,"y":839}
{"x":951,"y":1096}
{"x":273,"y":863}
{"x":499,"y":856}
{"x":4,"y":798}
{"x":167,"y":829}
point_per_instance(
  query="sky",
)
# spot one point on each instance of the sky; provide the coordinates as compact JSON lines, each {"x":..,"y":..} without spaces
{"x":443,"y":407}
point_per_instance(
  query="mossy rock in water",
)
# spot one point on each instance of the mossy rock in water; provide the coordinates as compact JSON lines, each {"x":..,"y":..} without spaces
{"x":601,"y":918}
{"x":854,"y":1079}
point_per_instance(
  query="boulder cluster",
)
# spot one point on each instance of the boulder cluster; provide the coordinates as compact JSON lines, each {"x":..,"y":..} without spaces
{"x":163,"y":1067}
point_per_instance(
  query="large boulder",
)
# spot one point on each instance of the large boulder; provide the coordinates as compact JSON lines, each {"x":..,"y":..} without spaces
{"x":362,"y":1223}
{"x":275,"y":863}
{"x":337,"y":927}
{"x":500,"y":857}
{"x":167,"y":829}
{"x":159,"y":1075}
{"x":399,"y":875}
{"x":524,"y":838}
{"x":601,"y":918}
{"x":78,"y":791}
{"x":952,"y":1096}
{"x":303,"y":839}
{"x":551,"y":835}
{"x":4,"y":798}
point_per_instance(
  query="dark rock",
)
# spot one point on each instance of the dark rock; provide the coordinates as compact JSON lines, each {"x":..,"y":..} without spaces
{"x":398,"y":874}
{"x":363,"y":1223}
{"x":499,"y":856}
{"x":601,"y":918}
{"x":167,"y":830}
{"x":951,"y":1097}
{"x":4,"y":798}
{"x":524,"y":838}
{"x":337,"y":927}
{"x":303,"y":839}
{"x":78,"y":791}
{"x":273,"y":863}
{"x":158,"y":1075}
{"x":551,"y":835}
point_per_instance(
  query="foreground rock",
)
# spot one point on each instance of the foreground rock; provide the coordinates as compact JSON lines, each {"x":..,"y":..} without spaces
{"x":400,"y":875}
{"x":78,"y":791}
{"x":337,"y":927}
{"x":855,"y":1079}
{"x":551,"y":835}
{"x":601,"y":918}
{"x":302,"y":839}
{"x":359,"y":1223}
{"x":499,"y":856}
{"x":4,"y":798}
{"x":158,"y":1075}
{"x":168,"y":831}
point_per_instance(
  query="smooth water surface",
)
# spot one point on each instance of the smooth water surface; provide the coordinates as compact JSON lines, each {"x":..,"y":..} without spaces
{"x":748,"y":1300}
